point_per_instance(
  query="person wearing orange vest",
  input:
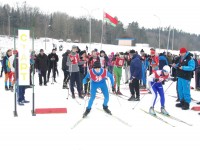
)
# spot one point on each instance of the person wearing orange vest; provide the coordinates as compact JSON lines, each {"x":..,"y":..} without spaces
{"x":118,"y":64}
{"x":156,"y":87}
{"x":154,"y":63}
{"x":98,"y":78}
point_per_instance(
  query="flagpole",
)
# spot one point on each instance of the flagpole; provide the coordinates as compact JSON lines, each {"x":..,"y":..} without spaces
{"x":102,"y":31}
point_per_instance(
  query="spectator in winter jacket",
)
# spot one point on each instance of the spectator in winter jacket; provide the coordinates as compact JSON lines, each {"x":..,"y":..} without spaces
{"x":65,"y":69}
{"x":154,"y":61}
{"x":52,"y":64}
{"x":185,"y":67}
{"x":103,"y":59}
{"x":7,"y":69}
{"x":118,"y":64}
{"x":1,"y":61}
{"x":21,"y":89}
{"x":127,"y":66}
{"x":162,"y":61}
{"x":73,"y":61}
{"x":136,"y":75}
{"x":41,"y":65}
{"x":110,"y":62}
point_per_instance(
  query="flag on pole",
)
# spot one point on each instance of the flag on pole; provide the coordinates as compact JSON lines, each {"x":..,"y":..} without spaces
{"x":110,"y":19}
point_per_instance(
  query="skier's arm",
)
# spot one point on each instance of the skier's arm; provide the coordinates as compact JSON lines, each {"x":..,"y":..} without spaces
{"x":86,"y":77}
{"x":111,"y":78}
{"x":151,"y":78}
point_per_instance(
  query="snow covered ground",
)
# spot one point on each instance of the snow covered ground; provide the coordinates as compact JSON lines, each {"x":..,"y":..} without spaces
{"x":98,"y":131}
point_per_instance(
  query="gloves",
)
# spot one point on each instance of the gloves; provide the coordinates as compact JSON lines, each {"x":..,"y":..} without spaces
{"x":156,"y":80}
{"x":161,"y":79}
{"x":113,"y":89}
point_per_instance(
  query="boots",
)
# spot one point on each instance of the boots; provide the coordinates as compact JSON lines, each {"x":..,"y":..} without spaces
{"x":64,"y":85}
{"x":87,"y":111}
{"x":6,"y":88}
{"x":164,"y":112}
{"x":132,"y":98}
{"x":151,"y":111}
{"x":180,"y":104}
{"x":105,"y":108}
{"x":185,"y":106}
{"x":137,"y":99}
{"x":73,"y":96}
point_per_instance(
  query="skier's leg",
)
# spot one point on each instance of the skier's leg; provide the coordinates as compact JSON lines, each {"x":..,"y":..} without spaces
{"x":92,"y":95}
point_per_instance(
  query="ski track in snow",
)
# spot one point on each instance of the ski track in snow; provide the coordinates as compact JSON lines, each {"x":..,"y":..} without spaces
{"x":53,"y":131}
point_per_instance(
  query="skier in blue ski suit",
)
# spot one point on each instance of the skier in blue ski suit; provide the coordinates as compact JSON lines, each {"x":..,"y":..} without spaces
{"x":155,"y":81}
{"x":98,"y":78}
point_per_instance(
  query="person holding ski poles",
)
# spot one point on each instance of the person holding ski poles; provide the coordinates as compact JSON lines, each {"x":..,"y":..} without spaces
{"x":155,"y":81}
{"x":98,"y":77}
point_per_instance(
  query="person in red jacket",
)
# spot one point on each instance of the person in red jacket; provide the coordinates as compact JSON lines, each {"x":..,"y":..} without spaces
{"x":154,"y":63}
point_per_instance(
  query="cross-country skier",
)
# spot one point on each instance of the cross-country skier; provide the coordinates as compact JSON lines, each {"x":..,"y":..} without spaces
{"x":155,"y":82}
{"x":98,"y":77}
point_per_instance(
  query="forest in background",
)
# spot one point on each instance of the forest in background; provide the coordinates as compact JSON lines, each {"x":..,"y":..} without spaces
{"x":60,"y":25}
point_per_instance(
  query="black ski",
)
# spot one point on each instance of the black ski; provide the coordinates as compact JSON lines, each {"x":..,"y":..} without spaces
{"x":174,"y":118}
{"x":159,"y":118}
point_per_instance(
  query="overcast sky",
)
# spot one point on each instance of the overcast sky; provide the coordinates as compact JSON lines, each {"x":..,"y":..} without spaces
{"x":181,"y":15}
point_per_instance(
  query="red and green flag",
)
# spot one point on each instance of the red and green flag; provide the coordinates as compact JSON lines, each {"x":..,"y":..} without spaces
{"x":110,"y":19}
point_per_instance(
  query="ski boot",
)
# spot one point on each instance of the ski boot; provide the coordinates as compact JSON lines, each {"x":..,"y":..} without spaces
{"x":105,"y":108}
{"x":151,"y":111}
{"x":87,"y":111}
{"x":164,"y":112}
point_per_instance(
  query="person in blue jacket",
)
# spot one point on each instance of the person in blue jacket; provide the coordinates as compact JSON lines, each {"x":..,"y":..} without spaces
{"x":185,"y":67}
{"x":136,"y":75}
{"x":98,"y":78}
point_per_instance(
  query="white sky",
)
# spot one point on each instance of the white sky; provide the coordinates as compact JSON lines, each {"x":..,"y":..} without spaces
{"x":181,"y":15}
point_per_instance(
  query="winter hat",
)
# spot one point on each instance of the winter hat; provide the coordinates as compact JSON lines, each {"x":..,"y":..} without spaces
{"x":152,"y":51}
{"x":97,"y":64}
{"x":166,"y":68}
{"x":142,"y":50}
{"x":82,"y":52}
{"x":41,"y":50}
{"x":74,"y":46}
{"x":132,"y":51}
{"x":183,"y":50}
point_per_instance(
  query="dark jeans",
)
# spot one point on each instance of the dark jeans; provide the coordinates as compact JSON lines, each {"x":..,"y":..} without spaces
{"x":42,"y":74}
{"x":54,"y":72}
{"x":75,"y":77}
{"x":85,"y":86}
{"x":134,"y":87}
{"x":21,"y":93}
{"x":110,"y":69}
{"x":66,"y":76}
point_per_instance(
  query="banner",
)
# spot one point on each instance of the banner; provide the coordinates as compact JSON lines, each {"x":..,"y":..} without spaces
{"x":24,"y":57}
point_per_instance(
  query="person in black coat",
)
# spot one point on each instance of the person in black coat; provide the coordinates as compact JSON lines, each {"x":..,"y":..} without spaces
{"x":65,"y":69}
{"x":52,"y":64}
{"x":41,"y":65}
